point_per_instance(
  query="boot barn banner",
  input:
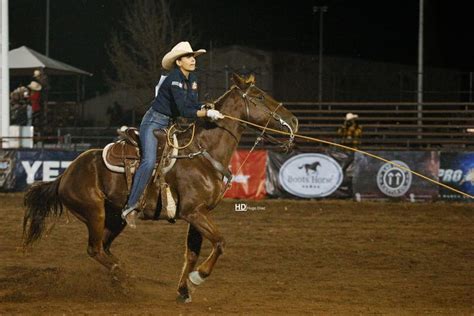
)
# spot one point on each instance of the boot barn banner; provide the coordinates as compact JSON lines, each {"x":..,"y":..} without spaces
{"x":456,"y":170}
{"x":21,"y":168}
{"x":375,"y":179}
{"x":249,"y":182}
{"x":307,"y":175}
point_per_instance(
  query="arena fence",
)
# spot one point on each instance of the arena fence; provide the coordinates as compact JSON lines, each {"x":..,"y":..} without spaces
{"x":331,"y":173}
{"x":387,"y":125}
{"x":397,"y":126}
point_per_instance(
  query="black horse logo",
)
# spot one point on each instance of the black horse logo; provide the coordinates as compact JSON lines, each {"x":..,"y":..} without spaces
{"x":310,"y":166}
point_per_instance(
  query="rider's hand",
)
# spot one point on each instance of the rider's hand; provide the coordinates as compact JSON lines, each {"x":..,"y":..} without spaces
{"x":207,"y":106}
{"x":214,"y":115}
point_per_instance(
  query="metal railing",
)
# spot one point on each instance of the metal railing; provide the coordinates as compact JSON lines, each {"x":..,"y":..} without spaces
{"x":386,"y":126}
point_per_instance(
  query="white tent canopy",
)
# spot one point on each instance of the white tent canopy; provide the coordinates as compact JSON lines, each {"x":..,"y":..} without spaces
{"x":24,"y":60}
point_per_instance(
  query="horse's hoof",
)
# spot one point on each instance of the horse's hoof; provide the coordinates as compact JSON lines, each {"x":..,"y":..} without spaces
{"x":183,"y":299}
{"x":117,"y":273}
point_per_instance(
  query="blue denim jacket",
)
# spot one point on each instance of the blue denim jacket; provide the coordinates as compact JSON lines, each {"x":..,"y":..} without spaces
{"x":177,"y":95}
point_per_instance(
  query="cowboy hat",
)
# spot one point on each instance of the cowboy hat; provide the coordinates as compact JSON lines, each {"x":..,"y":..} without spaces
{"x":181,"y":49}
{"x":35,"y":86}
{"x":36,"y":73}
{"x":351,"y":116}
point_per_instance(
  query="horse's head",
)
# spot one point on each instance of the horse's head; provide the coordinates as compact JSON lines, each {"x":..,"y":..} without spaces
{"x":259,"y":108}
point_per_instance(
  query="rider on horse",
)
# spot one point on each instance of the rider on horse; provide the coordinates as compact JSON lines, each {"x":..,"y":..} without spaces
{"x":176,"y":95}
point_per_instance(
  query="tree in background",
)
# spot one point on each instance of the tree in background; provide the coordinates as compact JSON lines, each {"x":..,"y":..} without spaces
{"x":135,"y":50}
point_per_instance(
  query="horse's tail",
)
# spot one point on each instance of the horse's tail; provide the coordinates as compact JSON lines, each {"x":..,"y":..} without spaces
{"x":41,"y":200}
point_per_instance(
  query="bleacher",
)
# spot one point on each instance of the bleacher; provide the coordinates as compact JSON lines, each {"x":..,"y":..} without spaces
{"x":386,"y":126}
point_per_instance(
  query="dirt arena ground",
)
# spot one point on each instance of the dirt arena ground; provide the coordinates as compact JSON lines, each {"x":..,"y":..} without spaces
{"x":284,"y":257}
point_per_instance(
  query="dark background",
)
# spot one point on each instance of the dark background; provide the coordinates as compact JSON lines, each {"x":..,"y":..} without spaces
{"x":375,"y":30}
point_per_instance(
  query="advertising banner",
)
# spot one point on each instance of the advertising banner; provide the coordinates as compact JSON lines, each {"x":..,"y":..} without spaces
{"x":249,"y":183}
{"x":304,"y":175}
{"x":7,"y":170}
{"x":377,"y":179}
{"x":456,"y":170}
{"x":40,"y":165}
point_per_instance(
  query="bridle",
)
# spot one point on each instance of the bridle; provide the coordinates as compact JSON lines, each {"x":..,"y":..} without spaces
{"x":256,"y":101}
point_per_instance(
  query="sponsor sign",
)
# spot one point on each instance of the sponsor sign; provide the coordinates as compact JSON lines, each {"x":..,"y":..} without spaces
{"x":40,"y":165}
{"x":249,"y":182}
{"x":377,"y":179}
{"x":394,"y":179}
{"x":456,"y":170}
{"x":310,"y":175}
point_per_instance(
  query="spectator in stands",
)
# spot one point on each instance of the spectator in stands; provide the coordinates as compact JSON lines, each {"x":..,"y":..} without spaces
{"x":350,"y":131}
{"x":20,"y":108}
{"x":35,"y":101}
{"x":41,"y":78}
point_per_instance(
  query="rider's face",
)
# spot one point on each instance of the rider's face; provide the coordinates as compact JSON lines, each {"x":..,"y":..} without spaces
{"x":187,"y":63}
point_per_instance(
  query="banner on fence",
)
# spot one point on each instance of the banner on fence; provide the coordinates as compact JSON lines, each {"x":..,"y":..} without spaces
{"x":40,"y":165}
{"x":376,"y":179}
{"x":457,"y":171}
{"x":305,"y":175}
{"x":249,"y":183}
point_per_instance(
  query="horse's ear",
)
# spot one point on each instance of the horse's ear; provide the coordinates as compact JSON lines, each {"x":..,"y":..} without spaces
{"x":239,"y":81}
{"x":250,"y":79}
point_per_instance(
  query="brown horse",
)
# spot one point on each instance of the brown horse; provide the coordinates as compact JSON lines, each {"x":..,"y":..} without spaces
{"x":96,"y":195}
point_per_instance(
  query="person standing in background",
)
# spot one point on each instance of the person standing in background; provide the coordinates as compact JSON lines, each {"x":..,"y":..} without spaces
{"x":35,"y":101}
{"x":350,"y":131}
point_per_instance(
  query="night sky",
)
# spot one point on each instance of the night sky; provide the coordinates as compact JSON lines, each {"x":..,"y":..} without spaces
{"x":375,"y":30}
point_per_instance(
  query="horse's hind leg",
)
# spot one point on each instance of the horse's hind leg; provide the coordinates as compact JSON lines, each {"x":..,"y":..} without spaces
{"x":114,"y":225}
{"x":193,"y":248}
{"x":95,"y":222}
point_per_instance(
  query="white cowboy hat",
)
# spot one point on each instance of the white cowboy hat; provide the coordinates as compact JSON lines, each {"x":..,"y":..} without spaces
{"x":35,"y":86}
{"x":122,"y":128}
{"x":351,"y":116}
{"x":181,"y":49}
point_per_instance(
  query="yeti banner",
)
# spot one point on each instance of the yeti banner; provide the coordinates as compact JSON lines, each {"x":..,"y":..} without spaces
{"x":457,"y":171}
{"x":40,"y":165}
{"x":304,"y":175}
{"x":377,"y":179}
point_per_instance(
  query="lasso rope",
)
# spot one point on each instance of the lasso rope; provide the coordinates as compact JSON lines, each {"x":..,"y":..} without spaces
{"x":352,"y":149}
{"x":169,"y":135}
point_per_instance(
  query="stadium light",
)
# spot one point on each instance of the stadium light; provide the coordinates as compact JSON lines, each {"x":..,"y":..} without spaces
{"x":321,"y":10}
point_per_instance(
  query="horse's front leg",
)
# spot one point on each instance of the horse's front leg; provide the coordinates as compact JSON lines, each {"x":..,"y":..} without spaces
{"x":191,"y":255}
{"x":208,"y":230}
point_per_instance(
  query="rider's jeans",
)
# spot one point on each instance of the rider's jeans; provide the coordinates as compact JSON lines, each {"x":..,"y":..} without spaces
{"x":151,"y":121}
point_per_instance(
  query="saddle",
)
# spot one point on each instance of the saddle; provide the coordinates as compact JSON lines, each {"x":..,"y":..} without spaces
{"x":127,"y":149}
{"x":123,"y":156}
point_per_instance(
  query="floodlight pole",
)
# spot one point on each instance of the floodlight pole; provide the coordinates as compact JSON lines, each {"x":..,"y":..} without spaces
{"x":321,"y":11}
{"x":47,"y":29}
{"x":419,"y":99}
